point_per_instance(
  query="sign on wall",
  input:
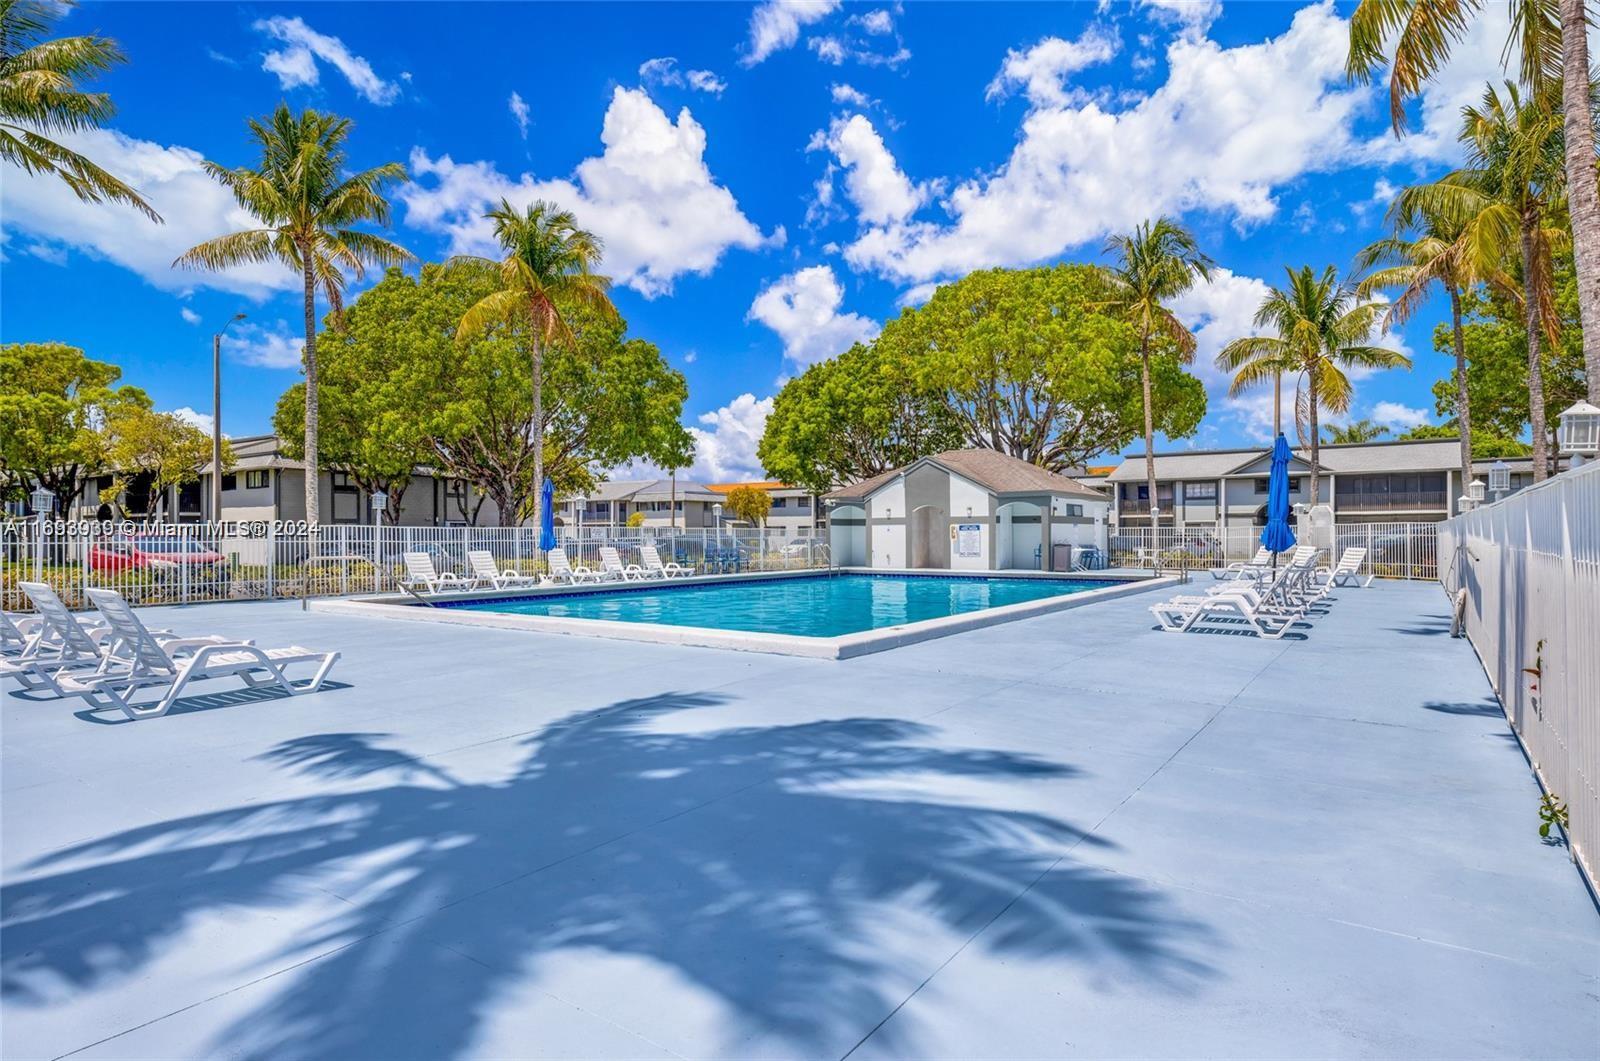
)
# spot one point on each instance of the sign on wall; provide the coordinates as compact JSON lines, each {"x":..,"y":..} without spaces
{"x":969,"y":539}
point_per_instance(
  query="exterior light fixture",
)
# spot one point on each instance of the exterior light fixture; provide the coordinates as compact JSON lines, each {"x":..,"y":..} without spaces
{"x":1499,"y":479}
{"x":1579,"y":435}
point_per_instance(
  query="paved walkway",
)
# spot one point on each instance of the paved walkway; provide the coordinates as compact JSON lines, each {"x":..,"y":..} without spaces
{"x":1070,"y":836}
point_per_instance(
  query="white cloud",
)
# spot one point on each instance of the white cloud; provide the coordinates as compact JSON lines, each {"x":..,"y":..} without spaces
{"x":829,"y":49}
{"x":295,"y":64}
{"x":876,"y":22}
{"x":660,"y":71}
{"x":519,"y":111}
{"x":1398,"y":416}
{"x":706,"y":81}
{"x":649,"y":196}
{"x":1192,"y":16}
{"x":880,"y":190}
{"x":849,"y":95}
{"x":196,"y":208}
{"x":725,"y":443}
{"x":803,"y":308}
{"x":274,"y":347}
{"x":192,"y":416}
{"x":189,"y":316}
{"x":1041,"y":71}
{"x":1229,"y":126}
{"x":775,"y":25}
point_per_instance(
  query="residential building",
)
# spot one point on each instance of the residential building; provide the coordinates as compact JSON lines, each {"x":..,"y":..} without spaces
{"x":972,"y":509}
{"x":1368,"y":482}
{"x":794,"y":509}
{"x":662,"y":502}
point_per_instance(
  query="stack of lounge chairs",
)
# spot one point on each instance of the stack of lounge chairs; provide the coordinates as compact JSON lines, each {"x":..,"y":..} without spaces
{"x":1260,"y":597}
{"x":107,"y":661}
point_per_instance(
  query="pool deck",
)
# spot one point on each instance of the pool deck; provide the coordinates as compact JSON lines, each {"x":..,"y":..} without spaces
{"x":1070,"y":835}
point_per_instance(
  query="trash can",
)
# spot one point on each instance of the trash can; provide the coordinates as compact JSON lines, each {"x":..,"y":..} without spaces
{"x":1061,"y":557}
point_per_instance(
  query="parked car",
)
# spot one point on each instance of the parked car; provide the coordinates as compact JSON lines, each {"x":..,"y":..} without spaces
{"x":163,"y":556}
{"x":805,"y":546}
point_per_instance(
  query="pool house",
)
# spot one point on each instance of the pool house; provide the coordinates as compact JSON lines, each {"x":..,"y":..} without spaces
{"x":966,"y":509}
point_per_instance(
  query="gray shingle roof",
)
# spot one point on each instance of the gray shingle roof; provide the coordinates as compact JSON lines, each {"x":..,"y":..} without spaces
{"x":650,"y":490}
{"x":995,"y":471}
{"x":1412,"y":456}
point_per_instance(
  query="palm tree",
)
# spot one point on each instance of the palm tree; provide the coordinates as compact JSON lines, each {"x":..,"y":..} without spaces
{"x":548,"y":268}
{"x":1356,"y":431}
{"x":1509,"y":202}
{"x":1322,"y":328}
{"x":1158,"y":262}
{"x":1425,"y":249}
{"x":1550,"y":38}
{"x":305,"y":206}
{"x":40,"y":97}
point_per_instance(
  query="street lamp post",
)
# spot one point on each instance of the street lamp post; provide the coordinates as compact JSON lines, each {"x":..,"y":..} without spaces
{"x":216,"y":417}
{"x":578,"y":504}
{"x":43,"y":502}
{"x":379,"y":500}
{"x":1499,"y":479}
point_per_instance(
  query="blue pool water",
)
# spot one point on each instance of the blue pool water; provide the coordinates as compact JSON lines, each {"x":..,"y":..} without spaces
{"x":812,"y":606}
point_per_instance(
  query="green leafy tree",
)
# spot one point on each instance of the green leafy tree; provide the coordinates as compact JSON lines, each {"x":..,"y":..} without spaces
{"x":1485,"y":444}
{"x":1322,"y":328}
{"x":306,"y":206}
{"x":374,"y":404}
{"x":1495,"y":335}
{"x":1355,"y":431}
{"x":1156,"y":263}
{"x":41,"y":96}
{"x":1509,"y":196}
{"x":1425,"y":249}
{"x":54,"y":403}
{"x":162,"y":449}
{"x":749,"y":503}
{"x":850,"y":418}
{"x":1037,"y":363}
{"x":1413,"y":38}
{"x":546,"y":274}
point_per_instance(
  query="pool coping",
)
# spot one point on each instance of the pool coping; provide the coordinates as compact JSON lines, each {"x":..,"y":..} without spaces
{"x":842,"y":646}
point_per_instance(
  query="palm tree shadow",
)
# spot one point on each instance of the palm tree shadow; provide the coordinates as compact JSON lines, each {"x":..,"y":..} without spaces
{"x":759,"y":863}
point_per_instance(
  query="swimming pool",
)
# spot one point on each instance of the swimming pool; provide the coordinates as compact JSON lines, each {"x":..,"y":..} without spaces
{"x":823,"y":615}
{"x":818,"y":606}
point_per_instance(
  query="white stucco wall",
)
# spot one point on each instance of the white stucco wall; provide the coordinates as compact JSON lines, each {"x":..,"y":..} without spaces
{"x":965,"y":495}
{"x":889,"y":501}
{"x":889,"y":545}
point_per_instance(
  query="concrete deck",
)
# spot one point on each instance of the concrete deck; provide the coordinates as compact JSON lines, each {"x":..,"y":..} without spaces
{"x":1066,"y":836}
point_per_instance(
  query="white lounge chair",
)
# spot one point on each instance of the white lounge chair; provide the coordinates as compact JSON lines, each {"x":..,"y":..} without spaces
{"x":484,"y":569}
{"x":611,"y":566}
{"x":563,"y":570}
{"x":1347,"y":572}
{"x":64,"y":644}
{"x":1186,"y":613}
{"x":172,"y":665}
{"x":654,"y":566}
{"x":421,"y":572}
{"x":1242,"y":568}
{"x":17,"y":632}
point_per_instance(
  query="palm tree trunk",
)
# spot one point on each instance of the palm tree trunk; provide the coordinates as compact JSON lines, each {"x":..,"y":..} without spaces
{"x":313,"y":468}
{"x":538,"y":434}
{"x":1583,"y":195}
{"x":1277,"y":405}
{"x":1463,"y":413}
{"x":1316,"y":436}
{"x":1149,"y":430}
{"x":1530,"y":300}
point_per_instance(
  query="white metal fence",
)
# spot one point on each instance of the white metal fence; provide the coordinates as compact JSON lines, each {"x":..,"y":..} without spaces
{"x":192,"y":563}
{"x":1394,"y":550}
{"x":1530,"y":566}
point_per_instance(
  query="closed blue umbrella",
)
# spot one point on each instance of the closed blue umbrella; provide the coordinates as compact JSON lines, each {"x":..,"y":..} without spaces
{"x":1277,"y":536}
{"x":547,"y":515}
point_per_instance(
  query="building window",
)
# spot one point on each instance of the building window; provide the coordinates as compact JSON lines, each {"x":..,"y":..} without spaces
{"x":1264,"y":486}
{"x":1199,"y":491}
{"x":256,"y":480}
{"x":230,"y":481}
{"x":341,"y":480}
{"x":780,"y":502}
{"x":1074,"y":510}
{"x":803,"y":504}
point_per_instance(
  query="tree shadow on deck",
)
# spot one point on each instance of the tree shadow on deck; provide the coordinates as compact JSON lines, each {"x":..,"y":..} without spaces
{"x":761,"y":864}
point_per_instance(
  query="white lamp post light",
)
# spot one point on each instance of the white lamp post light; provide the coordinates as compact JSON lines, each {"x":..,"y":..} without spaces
{"x":1464,"y":503}
{"x":1475,"y":490}
{"x":380,"y":501}
{"x":43,"y":502}
{"x":1579,"y":434}
{"x":578,"y":504}
{"x":1499,"y":479}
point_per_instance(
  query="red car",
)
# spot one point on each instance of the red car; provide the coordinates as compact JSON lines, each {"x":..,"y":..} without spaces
{"x":165,"y":557}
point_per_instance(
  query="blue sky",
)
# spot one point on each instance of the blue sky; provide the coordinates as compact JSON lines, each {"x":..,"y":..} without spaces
{"x":772,"y":181}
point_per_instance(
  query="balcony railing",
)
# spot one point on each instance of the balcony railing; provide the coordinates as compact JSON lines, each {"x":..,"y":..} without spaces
{"x":1394,"y":501}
